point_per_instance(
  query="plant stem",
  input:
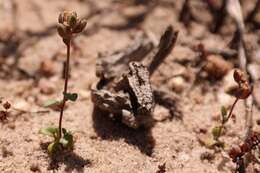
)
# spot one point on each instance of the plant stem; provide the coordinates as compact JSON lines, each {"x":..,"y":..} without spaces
{"x":65,"y":88}
{"x":229,"y":115}
{"x":231,"y":110}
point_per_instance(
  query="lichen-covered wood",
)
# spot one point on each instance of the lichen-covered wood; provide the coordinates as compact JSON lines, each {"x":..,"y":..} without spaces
{"x":124,"y":90}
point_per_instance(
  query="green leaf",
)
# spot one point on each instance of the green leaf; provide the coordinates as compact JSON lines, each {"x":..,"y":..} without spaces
{"x":216,"y":132}
{"x":52,"y":147}
{"x":224,"y":113}
{"x":54,"y":104}
{"x":207,"y":141}
{"x":50,"y":131}
{"x":71,"y":96}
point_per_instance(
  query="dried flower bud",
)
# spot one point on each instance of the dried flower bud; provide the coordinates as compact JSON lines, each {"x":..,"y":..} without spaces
{"x":80,"y":26}
{"x":239,"y":76}
{"x":234,"y":152}
{"x":245,"y":147}
{"x":243,"y":91}
{"x":69,"y":24}
{"x":7,"y":105}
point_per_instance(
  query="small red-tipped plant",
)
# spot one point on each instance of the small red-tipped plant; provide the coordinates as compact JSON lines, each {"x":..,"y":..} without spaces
{"x":237,"y":152}
{"x":69,"y":25}
{"x":242,"y":92}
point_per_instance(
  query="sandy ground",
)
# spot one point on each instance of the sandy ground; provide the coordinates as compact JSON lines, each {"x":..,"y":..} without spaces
{"x":103,"y":145}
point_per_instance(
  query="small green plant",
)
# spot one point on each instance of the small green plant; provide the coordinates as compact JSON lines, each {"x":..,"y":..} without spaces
{"x":242,"y":92}
{"x":69,"y":25}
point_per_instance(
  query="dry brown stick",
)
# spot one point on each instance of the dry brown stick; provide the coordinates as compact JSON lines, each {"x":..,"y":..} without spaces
{"x":243,"y":60}
{"x":223,"y":52}
{"x":165,"y":47}
{"x":234,"y":10}
{"x":112,"y":66}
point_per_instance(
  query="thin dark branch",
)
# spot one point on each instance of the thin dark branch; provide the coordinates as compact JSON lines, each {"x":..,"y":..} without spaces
{"x":165,"y":47}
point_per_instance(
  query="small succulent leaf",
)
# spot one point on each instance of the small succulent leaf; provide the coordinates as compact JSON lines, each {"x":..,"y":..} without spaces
{"x":71,"y":96}
{"x":216,"y":132}
{"x":49,"y":131}
{"x":223,"y":111}
{"x":52,"y":147}
{"x":54,"y":104}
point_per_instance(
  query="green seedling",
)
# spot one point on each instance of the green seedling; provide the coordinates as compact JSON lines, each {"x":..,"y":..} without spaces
{"x":59,"y":143}
{"x":69,"y":25}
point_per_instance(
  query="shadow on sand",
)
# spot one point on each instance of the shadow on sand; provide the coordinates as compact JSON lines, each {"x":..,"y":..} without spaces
{"x":71,"y":160}
{"x":108,"y":129}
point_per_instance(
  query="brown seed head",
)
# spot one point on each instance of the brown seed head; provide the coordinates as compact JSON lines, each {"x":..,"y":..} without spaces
{"x":69,"y":24}
{"x":243,"y":91}
{"x":234,"y":152}
{"x":245,"y":147}
{"x":239,"y":76}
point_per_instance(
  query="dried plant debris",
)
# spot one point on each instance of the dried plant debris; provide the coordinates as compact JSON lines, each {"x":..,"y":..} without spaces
{"x":109,"y":67}
{"x":238,"y":152}
{"x":135,"y":100}
{"x":124,"y":90}
{"x":167,"y":43}
{"x":138,"y":84}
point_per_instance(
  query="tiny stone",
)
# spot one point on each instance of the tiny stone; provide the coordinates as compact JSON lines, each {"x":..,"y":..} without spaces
{"x":177,"y":84}
{"x":217,"y":66}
